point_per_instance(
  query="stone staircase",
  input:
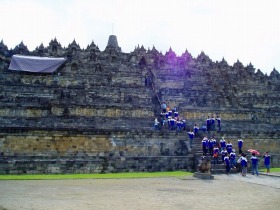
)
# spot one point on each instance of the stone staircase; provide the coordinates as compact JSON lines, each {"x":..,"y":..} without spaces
{"x":100,"y":109}
{"x":215,"y":168}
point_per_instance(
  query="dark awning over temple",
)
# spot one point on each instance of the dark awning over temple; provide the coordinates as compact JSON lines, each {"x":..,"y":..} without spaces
{"x":35,"y":63}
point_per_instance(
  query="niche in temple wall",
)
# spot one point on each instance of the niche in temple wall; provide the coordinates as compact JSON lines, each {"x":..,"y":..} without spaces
{"x":74,"y":67}
{"x":133,"y":59}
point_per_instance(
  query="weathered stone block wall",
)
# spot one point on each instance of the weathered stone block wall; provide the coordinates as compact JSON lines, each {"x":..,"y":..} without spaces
{"x":95,"y":113}
{"x":90,"y":143}
{"x":94,"y":164}
{"x":92,"y":152}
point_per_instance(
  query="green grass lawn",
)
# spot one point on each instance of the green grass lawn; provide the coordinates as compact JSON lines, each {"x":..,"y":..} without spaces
{"x":95,"y":176}
{"x":271,"y":170}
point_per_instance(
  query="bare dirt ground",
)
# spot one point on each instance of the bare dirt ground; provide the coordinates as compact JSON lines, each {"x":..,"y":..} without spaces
{"x":224,"y":192}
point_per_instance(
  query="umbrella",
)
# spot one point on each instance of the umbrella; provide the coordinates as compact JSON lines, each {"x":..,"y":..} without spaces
{"x":253,"y":151}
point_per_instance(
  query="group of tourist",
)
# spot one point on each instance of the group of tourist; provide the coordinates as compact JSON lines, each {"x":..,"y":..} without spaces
{"x":225,"y":149}
{"x":210,"y":146}
{"x":211,"y":125}
{"x":228,"y":155}
{"x":169,"y":118}
{"x":254,"y":163}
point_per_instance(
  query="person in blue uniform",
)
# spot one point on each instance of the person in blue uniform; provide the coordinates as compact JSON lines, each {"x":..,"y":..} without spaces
{"x":172,"y":123}
{"x":179,"y":124}
{"x":229,"y":147}
{"x":191,"y":136}
{"x":223,"y":153}
{"x":214,"y":142}
{"x":254,"y":162}
{"x":212,"y":123}
{"x":170,"y":113}
{"x":216,"y":154}
{"x":266,"y":157}
{"x":219,"y":123}
{"x":184,"y":124}
{"x":195,"y":128}
{"x":240,"y":145}
{"x":244,"y":164}
{"x":233,"y":159}
{"x":176,"y":114}
{"x":223,"y":143}
{"x":208,"y":124}
{"x":210,"y":146}
{"x":227,"y":162}
{"x":204,"y":145}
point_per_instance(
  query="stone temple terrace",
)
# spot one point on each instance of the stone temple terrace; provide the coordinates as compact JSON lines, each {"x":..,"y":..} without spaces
{"x":73,"y":110}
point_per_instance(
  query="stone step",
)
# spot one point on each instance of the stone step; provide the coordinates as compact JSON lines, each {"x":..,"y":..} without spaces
{"x":223,"y":171}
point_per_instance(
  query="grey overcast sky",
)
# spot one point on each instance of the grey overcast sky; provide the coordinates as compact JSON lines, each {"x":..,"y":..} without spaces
{"x":248,"y":30}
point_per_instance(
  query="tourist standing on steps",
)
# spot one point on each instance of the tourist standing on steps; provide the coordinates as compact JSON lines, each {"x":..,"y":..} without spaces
{"x":229,"y":147}
{"x":223,"y":143}
{"x":176,"y":114}
{"x":219,"y":123}
{"x":162,"y":123}
{"x":227,"y":163}
{"x":195,"y":128}
{"x":244,"y":164}
{"x":216,"y":154}
{"x":210,"y":146}
{"x":184,"y":123}
{"x":191,"y":136}
{"x":212,"y":123}
{"x":179,"y":124}
{"x":162,"y":115}
{"x":232,"y":159}
{"x":208,"y":124}
{"x":169,"y":113}
{"x":223,"y":153}
{"x":204,"y":145}
{"x":240,"y":145}
{"x":203,"y":128}
{"x":254,"y":162}
{"x":156,"y":124}
{"x":163,"y":107}
{"x":267,"y":162}
{"x":214,"y":142}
